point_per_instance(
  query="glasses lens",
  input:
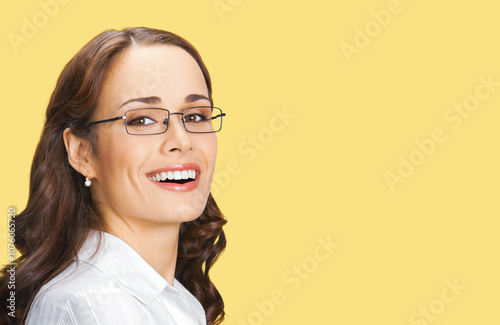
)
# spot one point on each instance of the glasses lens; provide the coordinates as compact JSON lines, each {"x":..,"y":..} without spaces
{"x":204,"y":119}
{"x":146,"y":121}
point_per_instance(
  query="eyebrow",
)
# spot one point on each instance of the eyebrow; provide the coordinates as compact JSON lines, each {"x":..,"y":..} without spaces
{"x":195,"y":97}
{"x":157,"y":100}
{"x":146,"y":100}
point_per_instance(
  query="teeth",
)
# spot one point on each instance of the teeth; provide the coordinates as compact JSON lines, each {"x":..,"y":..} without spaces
{"x":177,"y":175}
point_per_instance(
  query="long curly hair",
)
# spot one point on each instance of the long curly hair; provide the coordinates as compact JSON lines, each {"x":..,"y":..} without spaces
{"x":60,"y":212}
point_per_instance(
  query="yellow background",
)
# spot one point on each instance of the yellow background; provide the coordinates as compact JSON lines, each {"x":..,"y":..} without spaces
{"x":322,"y":176}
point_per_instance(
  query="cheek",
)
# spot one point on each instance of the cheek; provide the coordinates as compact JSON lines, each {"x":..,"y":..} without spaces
{"x":115,"y":155}
{"x":209,"y":148}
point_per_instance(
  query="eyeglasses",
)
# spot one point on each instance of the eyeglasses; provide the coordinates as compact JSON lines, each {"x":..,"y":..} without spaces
{"x":149,"y":121}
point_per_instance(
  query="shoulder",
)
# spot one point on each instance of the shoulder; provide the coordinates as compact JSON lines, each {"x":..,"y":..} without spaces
{"x":84,"y":295}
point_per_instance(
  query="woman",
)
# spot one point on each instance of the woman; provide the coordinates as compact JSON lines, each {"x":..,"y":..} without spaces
{"x":120,"y":226}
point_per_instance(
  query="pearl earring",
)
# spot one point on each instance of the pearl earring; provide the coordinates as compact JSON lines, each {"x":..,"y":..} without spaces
{"x":88,"y":181}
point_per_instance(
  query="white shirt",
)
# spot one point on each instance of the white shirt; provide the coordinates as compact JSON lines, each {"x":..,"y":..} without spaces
{"x":115,"y":286}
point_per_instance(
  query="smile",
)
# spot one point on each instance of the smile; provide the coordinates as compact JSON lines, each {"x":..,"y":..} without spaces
{"x":176,"y":176}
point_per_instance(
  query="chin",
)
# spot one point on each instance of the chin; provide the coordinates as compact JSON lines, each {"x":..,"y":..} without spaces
{"x":186,"y":213}
{"x":186,"y":208}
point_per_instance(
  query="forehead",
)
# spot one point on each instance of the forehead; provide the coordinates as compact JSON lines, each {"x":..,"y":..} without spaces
{"x":165,"y":71}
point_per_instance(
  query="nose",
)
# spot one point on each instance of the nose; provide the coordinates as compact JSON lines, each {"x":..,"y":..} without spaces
{"x":176,"y":137}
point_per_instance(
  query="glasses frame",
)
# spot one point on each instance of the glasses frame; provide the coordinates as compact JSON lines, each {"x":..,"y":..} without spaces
{"x":167,"y":122}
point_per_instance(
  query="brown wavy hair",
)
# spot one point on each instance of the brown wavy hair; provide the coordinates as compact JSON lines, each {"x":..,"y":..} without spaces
{"x":60,"y":212}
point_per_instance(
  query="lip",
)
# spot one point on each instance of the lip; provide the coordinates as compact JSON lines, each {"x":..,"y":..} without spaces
{"x":173,"y":186}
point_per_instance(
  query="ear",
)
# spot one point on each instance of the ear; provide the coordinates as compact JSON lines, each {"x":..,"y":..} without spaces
{"x":79,"y":154}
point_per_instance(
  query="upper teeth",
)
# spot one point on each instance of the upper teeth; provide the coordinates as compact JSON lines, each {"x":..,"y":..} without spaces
{"x":176,"y":174}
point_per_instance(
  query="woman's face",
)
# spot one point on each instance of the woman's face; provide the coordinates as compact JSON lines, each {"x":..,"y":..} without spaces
{"x":162,"y":76}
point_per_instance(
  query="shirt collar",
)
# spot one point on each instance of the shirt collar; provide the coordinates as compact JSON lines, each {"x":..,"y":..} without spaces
{"x":124,"y":266}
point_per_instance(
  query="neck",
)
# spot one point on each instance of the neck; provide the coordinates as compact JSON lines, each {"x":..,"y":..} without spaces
{"x":156,"y":243}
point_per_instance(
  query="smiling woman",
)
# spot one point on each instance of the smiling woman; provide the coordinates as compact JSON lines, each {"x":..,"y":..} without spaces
{"x":120,"y":226}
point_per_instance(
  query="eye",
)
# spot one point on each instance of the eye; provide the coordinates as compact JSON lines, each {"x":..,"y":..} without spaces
{"x":140,"y":121}
{"x":195,"y":118}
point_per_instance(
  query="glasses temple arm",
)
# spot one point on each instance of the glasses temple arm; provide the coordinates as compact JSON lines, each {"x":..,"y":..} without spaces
{"x":104,"y":121}
{"x":216,"y":116}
